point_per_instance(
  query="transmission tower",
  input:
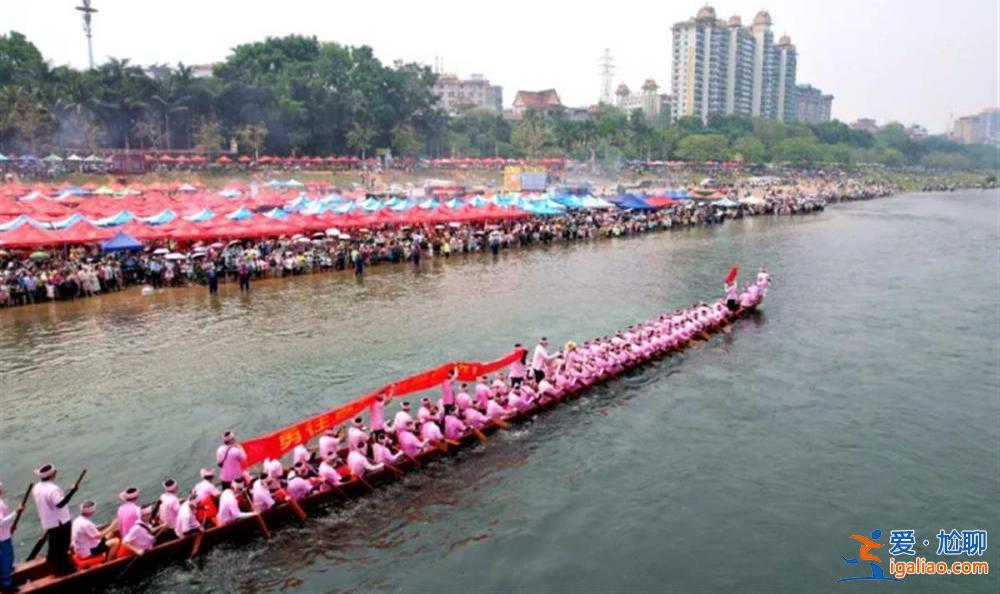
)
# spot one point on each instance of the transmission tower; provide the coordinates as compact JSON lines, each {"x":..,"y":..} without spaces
{"x":607,"y":71}
{"x":87,"y":12}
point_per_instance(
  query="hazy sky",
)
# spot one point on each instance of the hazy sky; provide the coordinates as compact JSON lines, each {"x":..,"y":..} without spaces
{"x":917,"y":61}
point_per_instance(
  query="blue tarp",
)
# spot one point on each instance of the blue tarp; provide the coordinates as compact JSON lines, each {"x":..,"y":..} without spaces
{"x":120,"y":218}
{"x":345,"y":208}
{"x":120,"y":243}
{"x":202,"y":215}
{"x":241,"y":214}
{"x":67,"y":222}
{"x":161,"y":218}
{"x":633,"y":202}
{"x":276,"y":213}
{"x":14,"y":223}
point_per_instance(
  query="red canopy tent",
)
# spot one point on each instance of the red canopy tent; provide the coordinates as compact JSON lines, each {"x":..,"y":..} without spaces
{"x":223,"y":160}
{"x":83,"y":232}
{"x":26,"y":236}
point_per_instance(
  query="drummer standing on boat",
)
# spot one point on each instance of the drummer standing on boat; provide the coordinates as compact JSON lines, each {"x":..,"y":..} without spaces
{"x":230,"y":457}
{"x":54,"y":515}
{"x":540,"y":360}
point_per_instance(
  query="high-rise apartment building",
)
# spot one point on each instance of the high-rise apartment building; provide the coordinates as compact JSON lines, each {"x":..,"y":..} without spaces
{"x":724,"y":67}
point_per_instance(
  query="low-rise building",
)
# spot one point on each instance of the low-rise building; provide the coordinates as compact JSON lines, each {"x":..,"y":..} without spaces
{"x":981,"y":127}
{"x":866,"y":124}
{"x":457,"y":95}
{"x":546,"y":101}
{"x":814,"y":106}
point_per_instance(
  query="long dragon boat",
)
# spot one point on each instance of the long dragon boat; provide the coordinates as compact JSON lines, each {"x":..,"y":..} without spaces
{"x":36,"y":576}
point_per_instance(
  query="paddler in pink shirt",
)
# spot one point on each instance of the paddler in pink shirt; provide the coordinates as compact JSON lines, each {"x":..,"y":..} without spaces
{"x":403,"y":421}
{"x":128,"y":512}
{"x":382,"y":451}
{"x":430,"y":431}
{"x":230,"y":457}
{"x":360,"y":465}
{"x":260,"y":494}
{"x":329,"y":444}
{"x":463,"y":400}
{"x":476,"y":419}
{"x":482,"y":392}
{"x":517,"y":370}
{"x":357,"y":438}
{"x":454,"y":428}
{"x":328,"y":473}
{"x":169,"y":503}
{"x":448,"y":392}
{"x":409,"y":443}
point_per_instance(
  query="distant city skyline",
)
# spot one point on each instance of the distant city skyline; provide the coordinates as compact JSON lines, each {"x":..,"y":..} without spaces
{"x":916,"y":62}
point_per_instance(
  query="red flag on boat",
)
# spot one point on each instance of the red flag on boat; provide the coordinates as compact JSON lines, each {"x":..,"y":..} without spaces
{"x":276,"y":443}
{"x":735,"y":270}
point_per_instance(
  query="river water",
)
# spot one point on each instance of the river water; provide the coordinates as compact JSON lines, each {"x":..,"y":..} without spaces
{"x":865,"y":396}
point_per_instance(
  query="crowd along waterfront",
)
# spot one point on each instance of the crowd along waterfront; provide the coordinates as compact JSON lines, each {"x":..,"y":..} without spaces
{"x":301,"y":235}
{"x":670,"y":447}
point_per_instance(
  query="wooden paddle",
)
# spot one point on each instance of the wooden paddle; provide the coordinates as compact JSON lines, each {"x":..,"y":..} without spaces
{"x":196,"y":545}
{"x":452,"y":442}
{"x":20,"y":509}
{"x":262,"y":526}
{"x":362,"y":480}
{"x":41,"y":541}
{"x":394,"y":470}
{"x":297,"y":509}
{"x":500,"y":423}
{"x":479,"y":434}
{"x":412,"y":459}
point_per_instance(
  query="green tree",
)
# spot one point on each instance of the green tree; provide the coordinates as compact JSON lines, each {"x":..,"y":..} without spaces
{"x":798,"y":151}
{"x":360,"y":137}
{"x":702,"y":147}
{"x":208,"y":138}
{"x":749,"y":149}
{"x":253,"y":136}
{"x":533,"y":135}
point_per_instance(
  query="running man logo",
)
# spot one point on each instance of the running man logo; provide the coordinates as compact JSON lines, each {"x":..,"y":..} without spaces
{"x":874,"y":563}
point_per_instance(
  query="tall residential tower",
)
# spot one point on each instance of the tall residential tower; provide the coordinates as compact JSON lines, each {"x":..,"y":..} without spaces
{"x":724,"y":67}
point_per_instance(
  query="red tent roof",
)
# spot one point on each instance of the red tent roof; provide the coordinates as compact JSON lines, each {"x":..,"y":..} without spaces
{"x":83,"y":232}
{"x":26,"y":236}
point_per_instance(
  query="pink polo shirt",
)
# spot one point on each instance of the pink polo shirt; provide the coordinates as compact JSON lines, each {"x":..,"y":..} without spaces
{"x":409,"y":443}
{"x":376,"y":415}
{"x":231,"y":457}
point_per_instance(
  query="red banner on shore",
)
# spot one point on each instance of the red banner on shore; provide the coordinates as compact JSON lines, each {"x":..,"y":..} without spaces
{"x":277,"y":443}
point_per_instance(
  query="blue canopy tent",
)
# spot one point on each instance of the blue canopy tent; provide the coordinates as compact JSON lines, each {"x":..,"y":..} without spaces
{"x":121,"y":242}
{"x":633,"y":202}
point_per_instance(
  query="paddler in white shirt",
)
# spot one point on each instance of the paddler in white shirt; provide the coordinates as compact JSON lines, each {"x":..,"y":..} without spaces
{"x":230,"y":457}
{"x":88,"y":540}
{"x":540,"y":360}
{"x":54,"y":516}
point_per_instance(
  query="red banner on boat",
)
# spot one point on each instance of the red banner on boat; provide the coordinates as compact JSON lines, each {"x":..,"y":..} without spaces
{"x":735,"y":270}
{"x":277,"y":443}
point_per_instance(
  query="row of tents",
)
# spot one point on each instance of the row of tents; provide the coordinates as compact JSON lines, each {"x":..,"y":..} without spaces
{"x":217,"y":217}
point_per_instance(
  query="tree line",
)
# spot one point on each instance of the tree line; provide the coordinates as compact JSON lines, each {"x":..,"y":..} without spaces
{"x":298,"y":95}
